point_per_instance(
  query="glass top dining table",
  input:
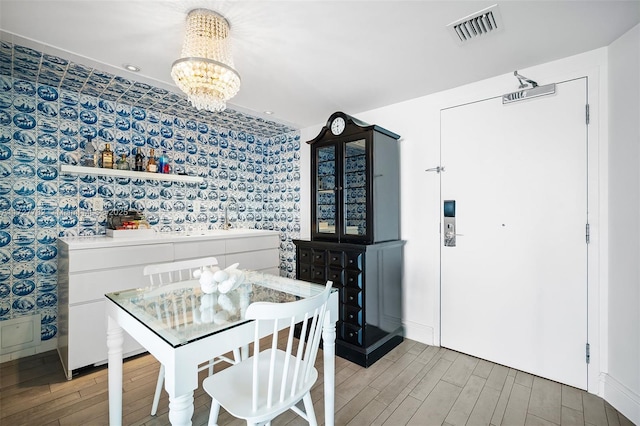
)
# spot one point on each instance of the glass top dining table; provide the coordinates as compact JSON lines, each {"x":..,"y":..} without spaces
{"x":181,"y":312}
{"x":182,"y":326}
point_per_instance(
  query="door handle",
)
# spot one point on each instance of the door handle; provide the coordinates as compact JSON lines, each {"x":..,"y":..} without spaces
{"x":449,"y":234}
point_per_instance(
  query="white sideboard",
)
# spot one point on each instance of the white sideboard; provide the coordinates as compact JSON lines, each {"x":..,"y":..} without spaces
{"x":90,"y":267}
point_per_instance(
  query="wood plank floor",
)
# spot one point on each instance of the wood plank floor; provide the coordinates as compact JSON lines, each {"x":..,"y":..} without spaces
{"x":415,"y":384}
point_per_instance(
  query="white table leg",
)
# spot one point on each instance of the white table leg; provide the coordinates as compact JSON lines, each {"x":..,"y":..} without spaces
{"x":329,"y":351}
{"x":181,"y":409}
{"x":115,"y":338}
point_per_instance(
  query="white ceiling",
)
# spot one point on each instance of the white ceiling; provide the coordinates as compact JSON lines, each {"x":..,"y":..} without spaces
{"x":304,"y":59}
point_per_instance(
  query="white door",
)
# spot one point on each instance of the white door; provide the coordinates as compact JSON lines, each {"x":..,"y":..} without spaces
{"x":514,"y":288}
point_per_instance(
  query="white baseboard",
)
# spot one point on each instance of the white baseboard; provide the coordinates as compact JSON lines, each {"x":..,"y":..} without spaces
{"x":621,"y":398}
{"x":418,"y":332}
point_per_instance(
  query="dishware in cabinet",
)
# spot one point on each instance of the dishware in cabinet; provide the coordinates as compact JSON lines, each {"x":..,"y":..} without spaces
{"x":355,"y":182}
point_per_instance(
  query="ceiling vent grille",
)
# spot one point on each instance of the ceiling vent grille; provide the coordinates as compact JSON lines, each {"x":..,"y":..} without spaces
{"x":486,"y":21}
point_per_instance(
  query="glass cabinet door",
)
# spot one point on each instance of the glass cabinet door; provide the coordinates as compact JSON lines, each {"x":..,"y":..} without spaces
{"x":355,"y":188}
{"x":326,"y":190}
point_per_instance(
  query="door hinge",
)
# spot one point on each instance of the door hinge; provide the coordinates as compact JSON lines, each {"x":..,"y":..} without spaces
{"x":587,"y":113}
{"x":587,"y":233}
{"x":587,"y":353}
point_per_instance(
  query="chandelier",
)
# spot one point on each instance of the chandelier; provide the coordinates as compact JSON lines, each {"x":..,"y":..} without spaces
{"x":205,"y":68}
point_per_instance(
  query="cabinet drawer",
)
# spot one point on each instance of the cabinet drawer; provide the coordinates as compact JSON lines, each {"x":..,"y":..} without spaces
{"x":304,"y":272}
{"x":115,"y":257}
{"x":92,"y":286}
{"x":352,"y":315}
{"x":253,"y":243}
{"x":318,"y":275}
{"x":197,"y":249}
{"x":351,"y":334}
{"x":336,"y":258}
{"x":337,"y":276}
{"x":352,"y":296}
{"x":353,"y":279}
{"x":354,"y":260}
{"x":305,"y":255}
{"x":256,"y":260}
{"x":319,"y":257}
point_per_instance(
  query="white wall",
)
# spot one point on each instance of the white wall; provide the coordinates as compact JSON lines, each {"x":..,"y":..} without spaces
{"x":614,"y":206}
{"x":418,"y":122}
{"x":622,"y":376}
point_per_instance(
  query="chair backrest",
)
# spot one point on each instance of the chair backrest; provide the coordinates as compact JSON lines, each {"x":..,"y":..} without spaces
{"x":169,"y":272}
{"x":289,"y":376}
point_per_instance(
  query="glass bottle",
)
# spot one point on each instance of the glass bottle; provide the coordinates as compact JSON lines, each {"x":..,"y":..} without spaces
{"x":107,"y":157}
{"x":163,"y":163}
{"x":139,"y":161}
{"x":152,"y":167}
{"x":89,"y":159}
{"x":122,"y":163}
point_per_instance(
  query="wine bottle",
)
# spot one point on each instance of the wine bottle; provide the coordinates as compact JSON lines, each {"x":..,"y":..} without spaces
{"x":139,"y":162}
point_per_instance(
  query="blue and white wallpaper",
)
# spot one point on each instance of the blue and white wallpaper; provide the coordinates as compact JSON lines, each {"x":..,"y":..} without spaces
{"x":48,"y":107}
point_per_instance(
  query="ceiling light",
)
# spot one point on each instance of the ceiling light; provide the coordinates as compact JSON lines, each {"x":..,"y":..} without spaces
{"x":269,"y":112}
{"x":131,"y":67}
{"x":205,"y":69}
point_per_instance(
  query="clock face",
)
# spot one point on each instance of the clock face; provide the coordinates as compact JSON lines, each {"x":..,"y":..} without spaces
{"x":337,"y":126}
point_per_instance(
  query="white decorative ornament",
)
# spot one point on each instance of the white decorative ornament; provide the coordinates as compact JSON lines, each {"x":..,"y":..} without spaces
{"x":207,"y":282}
{"x":221,"y":317}
{"x":225,"y":303}
{"x":221,"y":276}
{"x":208,"y":301}
{"x":216,"y":280}
{"x":229,"y":284}
{"x":206,"y":316}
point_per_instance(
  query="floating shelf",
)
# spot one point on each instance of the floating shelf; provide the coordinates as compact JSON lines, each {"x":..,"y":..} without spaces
{"x":81,"y":170}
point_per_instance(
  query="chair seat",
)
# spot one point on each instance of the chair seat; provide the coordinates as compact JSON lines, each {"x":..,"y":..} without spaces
{"x":232,"y":387}
{"x":244,"y":389}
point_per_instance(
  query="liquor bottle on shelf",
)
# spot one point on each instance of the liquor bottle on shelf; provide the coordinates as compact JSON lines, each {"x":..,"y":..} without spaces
{"x":163,"y":163}
{"x":90,"y":157}
{"x":122,"y":163}
{"x":152,"y":166}
{"x":139,"y":161}
{"x":107,"y":157}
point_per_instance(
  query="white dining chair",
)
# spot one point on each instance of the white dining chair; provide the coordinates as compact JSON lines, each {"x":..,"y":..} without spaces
{"x":272,"y":381}
{"x":165,"y":273}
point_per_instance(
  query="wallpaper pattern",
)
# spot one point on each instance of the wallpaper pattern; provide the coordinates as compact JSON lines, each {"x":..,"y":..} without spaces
{"x":44,"y":122}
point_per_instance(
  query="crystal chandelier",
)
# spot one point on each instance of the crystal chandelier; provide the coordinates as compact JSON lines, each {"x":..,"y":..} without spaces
{"x":205,"y":68}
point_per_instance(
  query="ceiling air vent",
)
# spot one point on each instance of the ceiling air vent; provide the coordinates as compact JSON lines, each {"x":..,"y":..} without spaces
{"x":477,"y":24}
